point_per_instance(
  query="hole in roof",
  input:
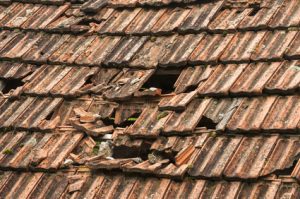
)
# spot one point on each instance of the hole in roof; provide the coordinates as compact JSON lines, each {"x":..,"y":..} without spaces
{"x":50,"y":115}
{"x":288,"y":171}
{"x":88,"y":83}
{"x":126,"y":123}
{"x":11,"y":84}
{"x":110,"y":120}
{"x":207,"y":123}
{"x":254,"y":11}
{"x":191,"y":88}
{"x":87,"y":21}
{"x":130,"y":120}
{"x":89,"y":80}
{"x":132,"y":152}
{"x":162,"y":81}
{"x":238,"y":11}
{"x":84,"y":22}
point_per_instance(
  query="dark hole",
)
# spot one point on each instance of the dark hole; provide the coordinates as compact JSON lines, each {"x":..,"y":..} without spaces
{"x":83,"y":23}
{"x":206,"y":122}
{"x":254,"y":11}
{"x":145,"y":149}
{"x":191,"y":88}
{"x":49,"y":116}
{"x":12,"y":84}
{"x":165,"y":82}
{"x":110,"y":121}
{"x":89,"y":80}
{"x":287,"y":171}
{"x":239,"y":11}
{"x":129,"y":120}
{"x":87,"y":21}
{"x":132,"y":152}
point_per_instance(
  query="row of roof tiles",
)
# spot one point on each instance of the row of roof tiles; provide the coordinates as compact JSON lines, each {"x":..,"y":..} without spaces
{"x":26,"y":150}
{"x":209,"y":16}
{"x":94,"y":5}
{"x":29,"y":113}
{"x":214,"y":156}
{"x":271,"y":114}
{"x":80,"y":184}
{"x":148,"y":52}
{"x":206,"y":155}
{"x":47,"y":2}
{"x":120,"y":84}
{"x":9,"y":70}
{"x":31,"y":16}
{"x":48,"y":113}
{"x":241,"y":79}
{"x":183,"y":115}
{"x":59,"y":80}
{"x":202,"y":17}
{"x":222,"y":80}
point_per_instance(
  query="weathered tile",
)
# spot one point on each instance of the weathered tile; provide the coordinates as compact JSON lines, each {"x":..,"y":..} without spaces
{"x":242,"y":46}
{"x":210,"y":48}
{"x":286,"y":79}
{"x":251,"y":114}
{"x":200,"y":16}
{"x":221,"y":80}
{"x":254,"y":78}
{"x":273,"y":45}
{"x":284,"y":115}
{"x":188,"y":120}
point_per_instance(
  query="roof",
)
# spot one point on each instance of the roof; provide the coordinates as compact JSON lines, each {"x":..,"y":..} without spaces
{"x":149,"y":99}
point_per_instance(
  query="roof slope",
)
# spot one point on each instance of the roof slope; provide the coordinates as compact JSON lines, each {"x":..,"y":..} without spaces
{"x":140,"y":99}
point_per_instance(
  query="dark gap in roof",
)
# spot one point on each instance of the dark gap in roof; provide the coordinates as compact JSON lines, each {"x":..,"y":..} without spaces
{"x":110,"y":120}
{"x":89,"y":80}
{"x":207,"y":123}
{"x":50,"y":115}
{"x":145,"y":149}
{"x":239,"y":11}
{"x":132,"y":152}
{"x":124,"y":124}
{"x":168,"y":154}
{"x":163,"y":81}
{"x":41,"y":52}
{"x":130,"y":120}
{"x":4,"y":37}
{"x":86,"y":22}
{"x":88,"y":83}
{"x":288,"y":171}
{"x":12,"y":84}
{"x":254,"y":11}
{"x":191,"y":88}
